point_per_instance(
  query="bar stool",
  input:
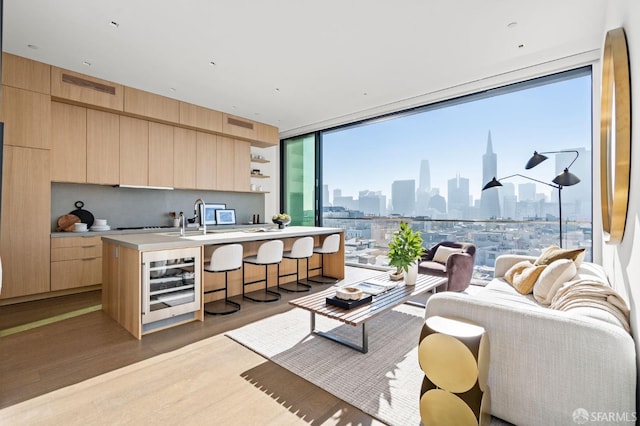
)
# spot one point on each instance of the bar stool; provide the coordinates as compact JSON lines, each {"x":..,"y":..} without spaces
{"x":269,"y":253}
{"x":224,"y":259}
{"x":302,"y":248}
{"x":330,"y":245}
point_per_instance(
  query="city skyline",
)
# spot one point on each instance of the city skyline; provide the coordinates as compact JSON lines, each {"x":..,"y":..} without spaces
{"x":547,"y":117}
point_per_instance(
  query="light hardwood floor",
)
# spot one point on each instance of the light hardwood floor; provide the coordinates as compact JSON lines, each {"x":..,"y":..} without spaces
{"x":250,"y":389}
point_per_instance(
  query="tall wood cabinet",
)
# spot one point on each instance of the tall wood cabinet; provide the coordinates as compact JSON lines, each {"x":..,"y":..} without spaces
{"x":68,"y":143}
{"x":103,"y":147}
{"x":26,"y":222}
{"x":134,"y":151}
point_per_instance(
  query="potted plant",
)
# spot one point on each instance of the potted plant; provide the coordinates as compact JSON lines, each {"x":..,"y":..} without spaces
{"x":405,"y":249}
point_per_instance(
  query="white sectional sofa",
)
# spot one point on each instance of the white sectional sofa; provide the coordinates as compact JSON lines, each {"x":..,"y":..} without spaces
{"x":548,"y":366}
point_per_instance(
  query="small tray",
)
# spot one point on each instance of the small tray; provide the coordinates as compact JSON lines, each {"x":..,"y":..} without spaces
{"x":348,"y":304}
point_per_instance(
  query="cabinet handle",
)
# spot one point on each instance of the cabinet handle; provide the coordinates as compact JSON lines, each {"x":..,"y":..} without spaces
{"x":89,"y":258}
{"x":88,"y":246}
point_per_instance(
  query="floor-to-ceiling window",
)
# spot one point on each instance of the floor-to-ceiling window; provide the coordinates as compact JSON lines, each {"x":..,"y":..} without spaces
{"x":299,"y":179}
{"x":430,"y":164}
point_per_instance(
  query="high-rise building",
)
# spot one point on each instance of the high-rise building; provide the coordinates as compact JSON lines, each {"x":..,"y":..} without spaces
{"x":489,"y":200}
{"x":526,"y":191}
{"x":403,"y":197}
{"x":424,"y":187}
{"x":325,"y":195}
{"x":372,"y":203}
{"x":458,"y":196}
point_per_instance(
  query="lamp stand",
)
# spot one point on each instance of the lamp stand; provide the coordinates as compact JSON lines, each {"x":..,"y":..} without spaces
{"x":560,"y":212}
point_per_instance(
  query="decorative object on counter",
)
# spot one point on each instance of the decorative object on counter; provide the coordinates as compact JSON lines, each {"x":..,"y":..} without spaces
{"x":175,"y":220}
{"x":209,"y":213}
{"x":80,"y":227}
{"x":100,"y":225}
{"x":65,"y":222}
{"x":226,"y":216}
{"x":281,"y":219}
{"x":405,"y":250}
{"x":84,"y":215}
{"x":256,"y":172}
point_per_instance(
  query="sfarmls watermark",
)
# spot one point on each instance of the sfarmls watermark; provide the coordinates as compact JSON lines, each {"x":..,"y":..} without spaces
{"x":582,"y":416}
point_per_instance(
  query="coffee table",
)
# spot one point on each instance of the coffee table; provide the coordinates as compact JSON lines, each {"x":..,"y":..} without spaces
{"x":359,"y":316}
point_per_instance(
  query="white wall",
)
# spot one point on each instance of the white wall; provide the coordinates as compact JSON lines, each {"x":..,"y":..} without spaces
{"x":623,"y":261}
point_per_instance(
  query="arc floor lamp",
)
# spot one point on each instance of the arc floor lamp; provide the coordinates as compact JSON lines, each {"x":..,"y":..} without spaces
{"x":565,"y":178}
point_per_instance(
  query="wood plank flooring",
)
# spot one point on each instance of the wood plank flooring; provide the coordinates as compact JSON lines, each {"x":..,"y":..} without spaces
{"x":40,"y":360}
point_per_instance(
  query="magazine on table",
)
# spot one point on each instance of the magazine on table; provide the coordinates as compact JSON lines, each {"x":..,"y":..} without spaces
{"x":374,"y":286}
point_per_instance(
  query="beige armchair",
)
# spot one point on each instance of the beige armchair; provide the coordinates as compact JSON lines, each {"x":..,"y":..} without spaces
{"x":454,"y":261}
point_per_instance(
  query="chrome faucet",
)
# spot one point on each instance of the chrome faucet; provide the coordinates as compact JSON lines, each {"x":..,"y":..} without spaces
{"x":197,"y":212}
{"x":182,"y":220}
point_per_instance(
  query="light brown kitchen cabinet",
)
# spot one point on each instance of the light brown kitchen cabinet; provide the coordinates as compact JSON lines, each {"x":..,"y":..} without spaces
{"x":103,"y":147}
{"x":26,"y":222}
{"x":76,"y":262}
{"x":87,"y":90}
{"x":160,"y":155}
{"x":134,"y":151}
{"x":184,"y":158}
{"x":26,"y":74}
{"x":27,"y":118}
{"x":206,"y":152}
{"x":151,"y":105}
{"x":202,"y":118}
{"x":68,"y":143}
{"x":267,"y":135}
{"x":242,"y":166}
{"x":238,"y":126}
{"x":225,"y":164}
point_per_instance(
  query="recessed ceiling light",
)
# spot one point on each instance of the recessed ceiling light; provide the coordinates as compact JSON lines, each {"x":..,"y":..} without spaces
{"x":365,"y":94}
{"x":114,"y":24}
{"x":512,"y":24}
{"x":277,"y":89}
{"x":173,"y":89}
{"x":213,"y":64}
{"x":86,"y":63}
{"x":32,"y":46}
{"x":521,"y":46}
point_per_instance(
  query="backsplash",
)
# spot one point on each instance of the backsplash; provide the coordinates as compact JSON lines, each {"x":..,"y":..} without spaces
{"x":128,"y":207}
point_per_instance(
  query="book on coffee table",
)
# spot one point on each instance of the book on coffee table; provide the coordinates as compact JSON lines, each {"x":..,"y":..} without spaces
{"x":374,"y":287}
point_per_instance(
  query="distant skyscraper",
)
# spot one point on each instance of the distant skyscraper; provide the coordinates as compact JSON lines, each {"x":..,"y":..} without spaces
{"x":526,"y":191}
{"x":403,"y":197}
{"x":489,"y":200}
{"x":325,"y":195}
{"x":458,"y":195}
{"x":424,"y":188}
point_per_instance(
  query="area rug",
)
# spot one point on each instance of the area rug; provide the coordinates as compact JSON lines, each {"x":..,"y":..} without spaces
{"x":384,"y":383}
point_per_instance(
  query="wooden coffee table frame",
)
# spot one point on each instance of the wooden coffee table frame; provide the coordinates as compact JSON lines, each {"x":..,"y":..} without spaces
{"x":316,"y":304}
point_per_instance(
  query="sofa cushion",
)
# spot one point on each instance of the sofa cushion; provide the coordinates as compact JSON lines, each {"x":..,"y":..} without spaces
{"x":552,"y":278}
{"x":434,"y":268}
{"x":553,"y":253}
{"x":523,"y":276}
{"x":443,"y":253}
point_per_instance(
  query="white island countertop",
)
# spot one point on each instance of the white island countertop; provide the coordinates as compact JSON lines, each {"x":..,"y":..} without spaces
{"x":170,"y":240}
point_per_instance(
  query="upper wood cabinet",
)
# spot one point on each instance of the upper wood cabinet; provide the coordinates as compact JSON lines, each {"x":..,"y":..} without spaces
{"x":150,"y":105}
{"x":27,"y":118}
{"x":184,"y":158}
{"x":242,"y":166}
{"x":68,"y":143}
{"x":267,"y":135}
{"x":134,"y":151}
{"x":206,"y":152}
{"x":202,"y":118}
{"x":225,"y":164}
{"x":160,"y":155}
{"x":86,"y":90}
{"x":26,"y":74}
{"x":26,"y":222}
{"x":103,"y":147}
{"x":238,"y":126}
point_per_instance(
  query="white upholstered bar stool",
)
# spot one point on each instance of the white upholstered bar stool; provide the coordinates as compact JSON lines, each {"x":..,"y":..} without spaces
{"x":269,"y":253}
{"x":224,"y":259}
{"x":330,"y":245}
{"x":302,"y":248}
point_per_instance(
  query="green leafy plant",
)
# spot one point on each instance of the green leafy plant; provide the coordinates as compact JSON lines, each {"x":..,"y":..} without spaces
{"x":405,"y":248}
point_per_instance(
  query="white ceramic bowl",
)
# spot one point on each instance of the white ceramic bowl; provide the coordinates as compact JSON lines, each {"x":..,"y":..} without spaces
{"x":100,"y":222}
{"x":349,"y":293}
{"x":79,"y":227}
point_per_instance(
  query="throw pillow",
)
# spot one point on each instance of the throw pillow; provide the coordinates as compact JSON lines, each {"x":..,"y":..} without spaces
{"x":553,"y":253}
{"x":523,"y":276}
{"x":552,"y":278}
{"x":443,"y":253}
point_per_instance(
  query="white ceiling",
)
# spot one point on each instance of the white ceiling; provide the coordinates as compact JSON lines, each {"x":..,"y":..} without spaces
{"x":296,"y":63}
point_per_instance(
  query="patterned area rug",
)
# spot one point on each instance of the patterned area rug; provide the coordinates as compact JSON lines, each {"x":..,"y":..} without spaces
{"x":384,"y":383}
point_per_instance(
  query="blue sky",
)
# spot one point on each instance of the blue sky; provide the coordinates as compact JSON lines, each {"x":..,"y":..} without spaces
{"x":543,"y":118}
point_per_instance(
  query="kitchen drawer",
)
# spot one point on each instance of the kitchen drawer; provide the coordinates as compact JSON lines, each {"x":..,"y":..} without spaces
{"x":75,"y":248}
{"x":76,"y":273}
{"x":76,"y":241}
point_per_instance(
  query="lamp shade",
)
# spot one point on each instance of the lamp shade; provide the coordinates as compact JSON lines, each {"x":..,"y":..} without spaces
{"x":492,"y":184}
{"x":535,"y":160}
{"x":566,"y":178}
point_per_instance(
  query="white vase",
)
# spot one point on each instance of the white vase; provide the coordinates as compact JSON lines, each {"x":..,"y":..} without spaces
{"x":411,"y":275}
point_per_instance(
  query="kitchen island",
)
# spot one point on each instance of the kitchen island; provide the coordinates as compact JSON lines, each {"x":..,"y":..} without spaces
{"x":151,"y":281}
